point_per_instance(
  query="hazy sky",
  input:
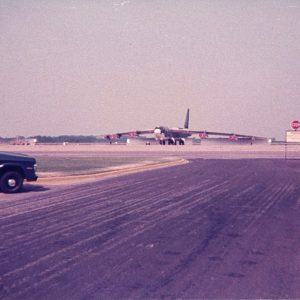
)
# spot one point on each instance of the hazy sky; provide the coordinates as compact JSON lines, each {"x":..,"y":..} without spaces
{"x":96,"y":67}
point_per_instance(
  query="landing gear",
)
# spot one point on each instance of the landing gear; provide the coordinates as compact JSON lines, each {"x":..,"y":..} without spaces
{"x":181,"y":141}
{"x":171,"y":141}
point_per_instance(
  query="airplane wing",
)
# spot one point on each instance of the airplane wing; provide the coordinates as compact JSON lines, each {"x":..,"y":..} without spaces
{"x":231,"y":135}
{"x":201,"y":132}
{"x":163,"y":134}
{"x":133,"y":133}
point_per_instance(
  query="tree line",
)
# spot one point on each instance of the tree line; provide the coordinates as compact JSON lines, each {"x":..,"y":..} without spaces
{"x":57,"y":139}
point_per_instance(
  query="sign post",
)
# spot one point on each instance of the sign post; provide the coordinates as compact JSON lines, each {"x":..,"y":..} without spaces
{"x":292,"y":136}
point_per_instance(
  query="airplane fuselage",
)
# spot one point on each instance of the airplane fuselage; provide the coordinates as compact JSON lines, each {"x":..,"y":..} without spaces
{"x":171,"y":135}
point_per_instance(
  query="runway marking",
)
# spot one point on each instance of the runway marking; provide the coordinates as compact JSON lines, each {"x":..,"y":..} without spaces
{"x":89,"y":251}
{"x":145,"y":216}
{"x":136,"y":203}
{"x":245,"y":208}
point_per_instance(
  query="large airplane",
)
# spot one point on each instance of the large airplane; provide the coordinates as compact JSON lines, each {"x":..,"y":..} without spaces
{"x":174,"y":136}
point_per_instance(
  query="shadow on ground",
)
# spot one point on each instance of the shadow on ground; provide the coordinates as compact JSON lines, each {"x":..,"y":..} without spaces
{"x":34,"y":188}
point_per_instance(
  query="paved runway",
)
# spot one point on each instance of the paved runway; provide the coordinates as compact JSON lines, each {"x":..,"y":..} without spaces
{"x":207,"y":229}
{"x":226,"y":151}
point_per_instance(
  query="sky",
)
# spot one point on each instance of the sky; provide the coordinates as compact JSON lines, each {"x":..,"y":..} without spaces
{"x":96,"y":67}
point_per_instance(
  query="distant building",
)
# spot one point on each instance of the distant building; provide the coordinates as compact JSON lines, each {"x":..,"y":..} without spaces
{"x":23,"y":141}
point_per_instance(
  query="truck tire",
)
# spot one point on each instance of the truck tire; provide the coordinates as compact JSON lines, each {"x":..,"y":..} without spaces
{"x":11,"y":182}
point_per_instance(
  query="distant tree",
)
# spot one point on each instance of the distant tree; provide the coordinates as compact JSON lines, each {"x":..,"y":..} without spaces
{"x":67,"y":139}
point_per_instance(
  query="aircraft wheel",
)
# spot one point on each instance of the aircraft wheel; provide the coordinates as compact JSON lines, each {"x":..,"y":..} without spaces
{"x":171,"y":142}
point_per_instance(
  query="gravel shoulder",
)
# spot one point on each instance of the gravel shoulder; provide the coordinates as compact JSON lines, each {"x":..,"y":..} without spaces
{"x":52,"y":178}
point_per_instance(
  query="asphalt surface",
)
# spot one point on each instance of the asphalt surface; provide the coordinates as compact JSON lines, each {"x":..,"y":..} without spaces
{"x":207,"y":229}
{"x":226,"y":151}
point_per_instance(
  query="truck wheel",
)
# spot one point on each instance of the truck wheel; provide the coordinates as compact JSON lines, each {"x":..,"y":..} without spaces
{"x":11,"y":182}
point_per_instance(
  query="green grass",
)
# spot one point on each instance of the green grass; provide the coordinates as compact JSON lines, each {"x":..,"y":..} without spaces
{"x":86,"y":165}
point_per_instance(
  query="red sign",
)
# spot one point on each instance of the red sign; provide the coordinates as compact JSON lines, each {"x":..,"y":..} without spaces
{"x":295,"y":124}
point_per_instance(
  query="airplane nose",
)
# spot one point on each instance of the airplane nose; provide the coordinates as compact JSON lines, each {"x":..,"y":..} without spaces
{"x":157,"y":131}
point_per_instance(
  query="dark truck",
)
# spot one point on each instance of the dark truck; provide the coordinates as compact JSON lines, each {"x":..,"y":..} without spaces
{"x":14,"y":168}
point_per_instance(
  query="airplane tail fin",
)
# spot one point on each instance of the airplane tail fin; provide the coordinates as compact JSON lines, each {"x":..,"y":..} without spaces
{"x":187,"y":119}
